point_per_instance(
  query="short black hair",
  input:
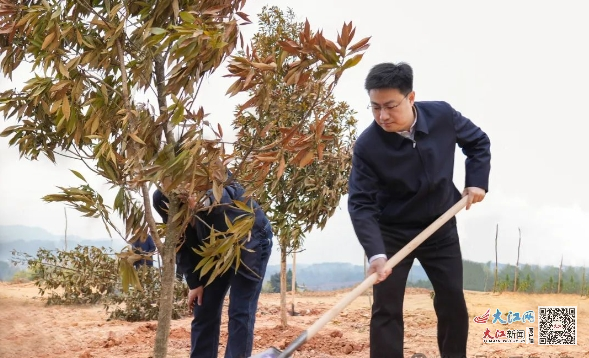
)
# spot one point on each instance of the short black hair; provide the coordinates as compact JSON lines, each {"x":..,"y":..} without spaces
{"x":390,"y":75}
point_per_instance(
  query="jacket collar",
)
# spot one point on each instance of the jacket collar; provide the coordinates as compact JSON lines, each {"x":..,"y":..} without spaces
{"x":397,"y":140}
{"x":421,"y":123}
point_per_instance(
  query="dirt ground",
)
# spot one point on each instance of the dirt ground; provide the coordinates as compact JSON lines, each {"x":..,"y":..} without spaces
{"x":29,"y":328}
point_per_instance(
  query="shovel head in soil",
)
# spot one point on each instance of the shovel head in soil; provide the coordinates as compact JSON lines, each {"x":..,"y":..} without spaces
{"x":288,"y":351}
{"x":268,"y":353}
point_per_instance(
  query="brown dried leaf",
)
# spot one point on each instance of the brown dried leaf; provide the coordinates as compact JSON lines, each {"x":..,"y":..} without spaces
{"x":297,"y":158}
{"x":291,"y":132}
{"x":307,"y":30}
{"x":136,"y":138}
{"x":176,"y":8}
{"x":332,"y":46}
{"x":307,"y":159}
{"x":65,"y":107}
{"x":290,"y":47}
{"x":217,"y":191}
{"x":264,"y":66}
{"x":281,"y":167}
{"x":58,"y":86}
{"x":249,"y":77}
{"x":266,"y":158}
{"x":234,"y":88}
{"x":353,"y":32}
{"x":250,"y":103}
{"x":266,"y":129}
{"x":355,"y":47}
{"x":244,"y":17}
{"x":363,"y":48}
{"x":320,"y":149}
{"x":48,"y":39}
{"x":345,"y":35}
{"x":63,"y":70}
{"x":304,"y":78}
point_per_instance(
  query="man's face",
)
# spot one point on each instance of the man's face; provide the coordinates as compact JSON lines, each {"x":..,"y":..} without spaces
{"x":392,"y":110}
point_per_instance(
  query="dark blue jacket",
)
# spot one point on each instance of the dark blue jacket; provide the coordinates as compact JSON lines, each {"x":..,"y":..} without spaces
{"x":145,"y":247}
{"x":187,"y":259}
{"x":405,"y":185}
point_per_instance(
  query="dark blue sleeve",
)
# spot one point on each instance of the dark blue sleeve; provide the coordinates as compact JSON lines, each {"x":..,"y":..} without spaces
{"x":150,"y":244}
{"x":362,"y":205}
{"x":475,"y":144}
{"x":187,"y":259}
{"x":160,"y":204}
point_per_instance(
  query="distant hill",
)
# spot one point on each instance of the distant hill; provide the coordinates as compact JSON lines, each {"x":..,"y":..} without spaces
{"x":31,"y":233}
{"x":31,"y":247}
{"x":335,"y":275}
{"x":29,"y":239}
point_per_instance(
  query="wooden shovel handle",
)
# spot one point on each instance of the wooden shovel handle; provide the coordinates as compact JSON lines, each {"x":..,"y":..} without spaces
{"x":370,"y":280}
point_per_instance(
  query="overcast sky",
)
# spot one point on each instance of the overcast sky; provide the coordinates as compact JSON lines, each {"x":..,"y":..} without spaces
{"x":518,"y":69}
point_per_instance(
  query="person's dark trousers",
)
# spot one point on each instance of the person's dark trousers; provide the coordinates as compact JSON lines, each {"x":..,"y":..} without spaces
{"x":441,"y":259}
{"x":243,"y":303}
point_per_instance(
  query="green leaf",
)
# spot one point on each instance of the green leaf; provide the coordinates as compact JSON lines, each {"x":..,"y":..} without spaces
{"x":352,"y":61}
{"x":157,"y":30}
{"x":9,"y":130}
{"x":217,"y":191}
{"x":187,"y":17}
{"x":243,"y":206}
{"x":119,"y":200}
{"x":76,"y":173}
{"x":207,"y":267}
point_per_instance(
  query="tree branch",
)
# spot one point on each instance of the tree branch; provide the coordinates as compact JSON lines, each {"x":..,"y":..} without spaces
{"x":149,"y":218}
{"x":100,"y":80}
{"x":89,"y":8}
{"x":160,"y":80}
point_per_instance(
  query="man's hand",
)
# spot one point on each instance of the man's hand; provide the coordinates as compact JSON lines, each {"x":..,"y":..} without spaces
{"x":378,"y":266}
{"x":195,"y":294}
{"x":474,"y":194}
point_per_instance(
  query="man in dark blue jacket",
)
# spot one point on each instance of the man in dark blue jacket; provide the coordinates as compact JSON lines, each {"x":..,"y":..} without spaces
{"x":402,"y":181}
{"x":246,"y":284}
{"x":146,"y":247}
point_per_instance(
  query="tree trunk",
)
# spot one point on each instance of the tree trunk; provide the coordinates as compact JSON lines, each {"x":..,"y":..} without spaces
{"x":283,"y":318}
{"x":294,"y":280}
{"x":168,"y":254}
{"x":559,"y":275}
{"x":496,"y":258}
{"x":168,"y":279}
{"x":517,"y":262}
{"x":159,"y":264}
{"x":166,"y":300}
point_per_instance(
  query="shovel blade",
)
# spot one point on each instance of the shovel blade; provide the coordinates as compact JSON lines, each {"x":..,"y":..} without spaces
{"x":268,"y":353}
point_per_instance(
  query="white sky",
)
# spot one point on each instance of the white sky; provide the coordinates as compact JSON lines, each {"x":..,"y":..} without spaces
{"x":518,"y":69}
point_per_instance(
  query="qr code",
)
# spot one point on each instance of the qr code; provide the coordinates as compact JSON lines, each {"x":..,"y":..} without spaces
{"x":557,"y":325}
